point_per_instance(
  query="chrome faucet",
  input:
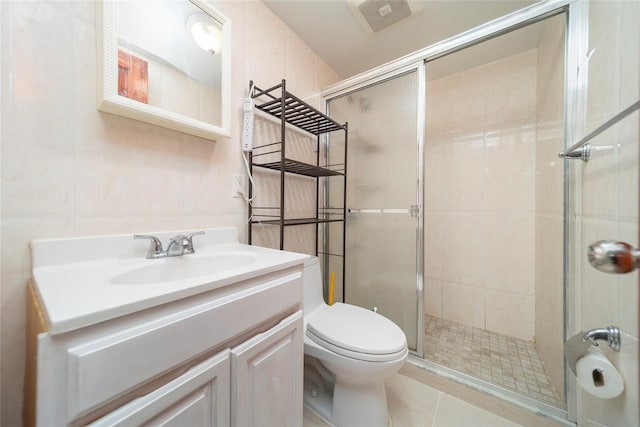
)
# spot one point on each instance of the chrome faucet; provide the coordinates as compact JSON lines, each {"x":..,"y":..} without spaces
{"x":610,"y":334}
{"x":178,"y":245}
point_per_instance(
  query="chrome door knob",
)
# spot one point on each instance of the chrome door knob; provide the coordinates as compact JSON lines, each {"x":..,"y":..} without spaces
{"x":614,"y":257}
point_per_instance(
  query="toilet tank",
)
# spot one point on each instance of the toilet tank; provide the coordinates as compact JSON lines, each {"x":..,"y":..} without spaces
{"x":312,"y":280}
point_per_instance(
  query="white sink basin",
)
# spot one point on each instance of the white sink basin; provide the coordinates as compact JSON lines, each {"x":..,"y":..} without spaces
{"x":86,"y":280}
{"x":184,"y":268}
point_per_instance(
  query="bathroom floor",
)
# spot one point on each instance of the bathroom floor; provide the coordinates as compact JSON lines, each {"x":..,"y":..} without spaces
{"x":505,"y":361}
{"x":418,"y":398}
{"x":414,"y":404}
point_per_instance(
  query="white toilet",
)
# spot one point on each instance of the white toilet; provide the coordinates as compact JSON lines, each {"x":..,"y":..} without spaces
{"x":349,"y":351}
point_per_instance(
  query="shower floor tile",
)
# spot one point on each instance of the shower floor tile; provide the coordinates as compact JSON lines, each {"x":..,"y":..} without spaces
{"x":506,"y":361}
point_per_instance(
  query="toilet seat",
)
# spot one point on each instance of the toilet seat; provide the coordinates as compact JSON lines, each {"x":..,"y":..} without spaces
{"x":357,"y":333}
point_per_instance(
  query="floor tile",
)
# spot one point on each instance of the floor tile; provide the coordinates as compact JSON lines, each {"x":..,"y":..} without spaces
{"x":309,"y":419}
{"x":453,"y":412}
{"x":506,"y":361}
{"x":411,"y":403}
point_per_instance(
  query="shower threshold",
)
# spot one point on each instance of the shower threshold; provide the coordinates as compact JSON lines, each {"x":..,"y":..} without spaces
{"x":507,"y":362}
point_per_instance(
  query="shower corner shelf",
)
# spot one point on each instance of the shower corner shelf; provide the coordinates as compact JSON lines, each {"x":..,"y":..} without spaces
{"x":291,"y":110}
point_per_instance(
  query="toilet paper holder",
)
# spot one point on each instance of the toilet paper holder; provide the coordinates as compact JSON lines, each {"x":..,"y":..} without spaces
{"x":578,"y":345}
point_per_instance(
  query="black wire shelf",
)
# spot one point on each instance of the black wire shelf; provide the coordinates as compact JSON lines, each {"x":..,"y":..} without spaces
{"x":299,"y":168}
{"x":296,"y":112}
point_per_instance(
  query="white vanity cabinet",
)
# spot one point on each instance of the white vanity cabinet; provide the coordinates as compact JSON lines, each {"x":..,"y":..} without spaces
{"x":229,"y":356}
{"x":199,"y":397}
{"x":267,"y":377}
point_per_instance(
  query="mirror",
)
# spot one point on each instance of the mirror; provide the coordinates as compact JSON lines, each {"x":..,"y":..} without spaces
{"x":167,"y":63}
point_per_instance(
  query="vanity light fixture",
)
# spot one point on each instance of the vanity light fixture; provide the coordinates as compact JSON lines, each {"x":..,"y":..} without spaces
{"x":205,"y":32}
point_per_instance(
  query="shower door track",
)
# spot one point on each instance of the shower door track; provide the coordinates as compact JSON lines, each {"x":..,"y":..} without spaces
{"x":556,"y":414}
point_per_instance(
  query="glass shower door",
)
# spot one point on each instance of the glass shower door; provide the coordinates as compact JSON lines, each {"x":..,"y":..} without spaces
{"x":383,"y":219}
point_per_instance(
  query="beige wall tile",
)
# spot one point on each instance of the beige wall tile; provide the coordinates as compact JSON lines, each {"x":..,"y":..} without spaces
{"x":463,"y":304}
{"x":609,"y":186}
{"x":604,"y":68}
{"x":464,"y":181}
{"x":510,"y":314}
{"x":511,"y":234}
{"x":600,"y":198}
{"x":627,"y":168}
{"x":68,"y":169}
{"x":433,"y":297}
{"x":629,"y":44}
{"x":598,"y":291}
{"x":464,"y":249}
{"x":511,"y":168}
{"x":480,"y":183}
{"x":300,"y":70}
{"x":264,"y":53}
{"x":514,"y":91}
{"x":433,"y":245}
{"x":464,"y":88}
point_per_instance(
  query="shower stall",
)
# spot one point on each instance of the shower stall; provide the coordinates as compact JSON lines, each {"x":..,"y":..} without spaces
{"x":465,"y":227}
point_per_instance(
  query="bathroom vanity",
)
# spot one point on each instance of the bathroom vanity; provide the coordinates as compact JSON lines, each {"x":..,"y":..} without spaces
{"x":215,"y":338}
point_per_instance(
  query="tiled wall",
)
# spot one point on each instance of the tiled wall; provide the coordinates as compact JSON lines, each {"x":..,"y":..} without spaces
{"x":480,"y":194}
{"x":607,"y":202}
{"x":549,"y":254}
{"x":69,"y":170}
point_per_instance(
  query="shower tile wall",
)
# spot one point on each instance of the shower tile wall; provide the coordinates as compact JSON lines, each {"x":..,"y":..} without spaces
{"x":480,"y":196}
{"x":608,"y":207}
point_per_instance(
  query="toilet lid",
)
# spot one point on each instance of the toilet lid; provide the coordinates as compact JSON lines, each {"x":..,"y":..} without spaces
{"x":358,"y":330}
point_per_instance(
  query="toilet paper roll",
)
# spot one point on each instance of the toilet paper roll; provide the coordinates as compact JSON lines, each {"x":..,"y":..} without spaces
{"x":598,"y":376}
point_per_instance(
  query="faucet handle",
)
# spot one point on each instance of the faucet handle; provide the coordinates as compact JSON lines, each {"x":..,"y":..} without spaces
{"x":155,"y":245}
{"x":183,"y":244}
{"x":188,"y":246}
{"x":195,"y":233}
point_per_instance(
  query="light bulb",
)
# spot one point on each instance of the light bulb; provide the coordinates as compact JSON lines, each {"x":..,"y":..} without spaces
{"x":205,"y":32}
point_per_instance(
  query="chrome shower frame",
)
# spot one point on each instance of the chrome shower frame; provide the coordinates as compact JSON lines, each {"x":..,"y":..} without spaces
{"x":576,"y":37}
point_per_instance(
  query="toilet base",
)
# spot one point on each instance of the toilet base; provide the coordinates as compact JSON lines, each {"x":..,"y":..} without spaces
{"x":360,"y":404}
{"x":344,"y":404}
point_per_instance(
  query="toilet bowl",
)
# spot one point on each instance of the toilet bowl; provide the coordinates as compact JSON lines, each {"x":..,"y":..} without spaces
{"x":349,"y":351}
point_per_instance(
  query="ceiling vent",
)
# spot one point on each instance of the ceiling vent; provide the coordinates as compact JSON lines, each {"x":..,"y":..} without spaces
{"x":378,"y":15}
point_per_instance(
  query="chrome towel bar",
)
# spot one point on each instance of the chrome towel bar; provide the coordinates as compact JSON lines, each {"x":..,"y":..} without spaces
{"x":414,"y":211}
{"x":582,"y":150}
{"x":378,"y":211}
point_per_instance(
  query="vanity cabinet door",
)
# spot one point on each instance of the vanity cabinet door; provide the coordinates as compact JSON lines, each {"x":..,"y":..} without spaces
{"x":267,"y":377}
{"x":200,"y":397}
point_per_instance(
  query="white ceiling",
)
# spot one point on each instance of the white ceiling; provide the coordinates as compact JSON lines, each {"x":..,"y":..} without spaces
{"x":332,"y":31}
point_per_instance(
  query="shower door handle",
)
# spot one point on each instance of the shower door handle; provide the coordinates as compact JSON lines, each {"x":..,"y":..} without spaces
{"x":614,"y":257}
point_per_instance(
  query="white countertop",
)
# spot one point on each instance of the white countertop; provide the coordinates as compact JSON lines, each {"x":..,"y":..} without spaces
{"x":73,"y":276}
